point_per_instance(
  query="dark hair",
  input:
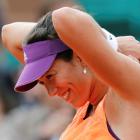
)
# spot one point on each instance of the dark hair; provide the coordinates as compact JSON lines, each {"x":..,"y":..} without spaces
{"x":44,"y":30}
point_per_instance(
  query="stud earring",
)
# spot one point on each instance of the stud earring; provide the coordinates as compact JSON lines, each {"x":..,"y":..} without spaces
{"x":84,"y":70}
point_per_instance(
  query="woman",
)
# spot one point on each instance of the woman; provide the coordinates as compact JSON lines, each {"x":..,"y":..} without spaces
{"x":89,"y":74}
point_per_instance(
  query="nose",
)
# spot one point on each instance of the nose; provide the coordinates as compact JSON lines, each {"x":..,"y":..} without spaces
{"x":50,"y":87}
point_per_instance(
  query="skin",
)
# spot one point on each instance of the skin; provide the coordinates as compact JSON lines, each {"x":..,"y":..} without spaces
{"x":119,"y":72}
{"x":128,"y":49}
{"x":59,"y":80}
{"x":69,"y":82}
{"x":107,"y":67}
{"x":18,"y":30}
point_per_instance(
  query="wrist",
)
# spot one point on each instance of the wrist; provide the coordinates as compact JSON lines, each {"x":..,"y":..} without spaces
{"x":112,"y":40}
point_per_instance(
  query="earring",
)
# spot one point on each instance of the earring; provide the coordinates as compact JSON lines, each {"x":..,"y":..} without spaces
{"x":84,"y":70}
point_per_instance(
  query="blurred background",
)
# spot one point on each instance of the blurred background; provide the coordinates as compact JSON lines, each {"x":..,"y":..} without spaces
{"x":34,"y":116}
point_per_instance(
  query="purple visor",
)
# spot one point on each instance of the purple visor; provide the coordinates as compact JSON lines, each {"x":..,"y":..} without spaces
{"x":38,"y":58}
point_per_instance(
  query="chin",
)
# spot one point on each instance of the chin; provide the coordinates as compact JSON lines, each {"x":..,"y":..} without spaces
{"x":77,"y":105}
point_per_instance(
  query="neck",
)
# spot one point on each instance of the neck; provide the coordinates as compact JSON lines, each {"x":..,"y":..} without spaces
{"x":98,"y":93}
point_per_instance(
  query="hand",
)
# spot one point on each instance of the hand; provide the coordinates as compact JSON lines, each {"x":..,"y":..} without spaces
{"x":13,"y":35}
{"x":129,"y":46}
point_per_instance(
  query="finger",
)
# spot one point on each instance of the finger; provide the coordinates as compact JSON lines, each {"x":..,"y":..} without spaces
{"x":133,"y":58}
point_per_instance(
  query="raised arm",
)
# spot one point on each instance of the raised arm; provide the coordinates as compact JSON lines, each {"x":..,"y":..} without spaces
{"x":80,"y":31}
{"x":12,"y":36}
{"x":129,"y":46}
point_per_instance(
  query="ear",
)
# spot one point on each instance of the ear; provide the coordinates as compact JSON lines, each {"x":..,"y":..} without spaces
{"x":78,"y":60}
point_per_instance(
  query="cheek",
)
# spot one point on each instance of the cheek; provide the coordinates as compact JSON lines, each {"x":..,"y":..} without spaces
{"x":60,"y":81}
{"x":83,"y":91}
{"x":81,"y":84}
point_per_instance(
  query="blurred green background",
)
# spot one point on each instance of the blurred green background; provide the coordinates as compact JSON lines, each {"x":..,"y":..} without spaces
{"x":121,"y":17}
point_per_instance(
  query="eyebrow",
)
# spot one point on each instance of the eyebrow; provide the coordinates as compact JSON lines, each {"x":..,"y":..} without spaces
{"x":46,"y":74}
{"x":51,"y":73}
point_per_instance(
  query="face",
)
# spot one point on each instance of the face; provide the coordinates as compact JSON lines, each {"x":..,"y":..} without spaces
{"x":67,"y":80}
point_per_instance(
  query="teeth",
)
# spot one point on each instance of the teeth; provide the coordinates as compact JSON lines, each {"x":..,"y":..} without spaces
{"x":66,"y":95}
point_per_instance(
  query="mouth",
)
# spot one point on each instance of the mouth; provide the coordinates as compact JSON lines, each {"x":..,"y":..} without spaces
{"x":66,"y":95}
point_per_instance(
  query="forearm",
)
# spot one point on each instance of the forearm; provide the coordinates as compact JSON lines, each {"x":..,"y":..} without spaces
{"x":129,"y":46}
{"x":13,"y":35}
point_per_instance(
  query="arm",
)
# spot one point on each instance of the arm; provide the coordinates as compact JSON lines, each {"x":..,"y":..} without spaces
{"x":128,"y":45}
{"x":79,"y":31}
{"x":13,"y":35}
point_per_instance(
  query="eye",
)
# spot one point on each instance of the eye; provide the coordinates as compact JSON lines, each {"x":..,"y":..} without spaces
{"x":42,"y":83}
{"x":49,"y":77}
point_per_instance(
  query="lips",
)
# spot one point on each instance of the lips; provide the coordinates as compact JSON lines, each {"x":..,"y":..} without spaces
{"x":65,"y":95}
